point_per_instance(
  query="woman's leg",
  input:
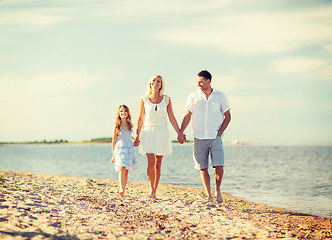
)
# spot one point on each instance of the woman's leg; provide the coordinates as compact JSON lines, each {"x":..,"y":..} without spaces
{"x":157,"y":172}
{"x":122,"y":181}
{"x":151,"y":173}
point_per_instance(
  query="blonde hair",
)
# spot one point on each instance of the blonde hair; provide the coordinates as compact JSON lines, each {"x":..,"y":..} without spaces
{"x":161,"y":91}
{"x":118,"y":119}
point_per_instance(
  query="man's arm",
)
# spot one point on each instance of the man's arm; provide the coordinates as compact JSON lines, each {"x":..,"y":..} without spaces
{"x":184,"y":125}
{"x":225,"y":123}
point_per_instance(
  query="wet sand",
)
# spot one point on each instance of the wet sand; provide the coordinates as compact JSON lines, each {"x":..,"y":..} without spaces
{"x":41,"y":206}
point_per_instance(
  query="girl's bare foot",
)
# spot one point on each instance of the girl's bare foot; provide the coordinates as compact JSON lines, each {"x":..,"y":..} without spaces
{"x":219,"y":197}
{"x":122,"y":194}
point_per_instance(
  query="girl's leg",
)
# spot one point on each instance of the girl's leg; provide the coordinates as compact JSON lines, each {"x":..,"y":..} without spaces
{"x":157,"y":172}
{"x":122,"y":181}
{"x":151,"y":173}
{"x":126,"y":177}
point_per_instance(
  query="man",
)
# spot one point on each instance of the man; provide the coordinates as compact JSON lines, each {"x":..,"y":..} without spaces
{"x":210,"y":111}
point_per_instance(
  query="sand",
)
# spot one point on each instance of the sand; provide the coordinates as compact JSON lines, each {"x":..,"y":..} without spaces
{"x":41,"y":206}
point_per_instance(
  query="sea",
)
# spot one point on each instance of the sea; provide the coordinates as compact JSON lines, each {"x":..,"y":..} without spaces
{"x":297,"y":178}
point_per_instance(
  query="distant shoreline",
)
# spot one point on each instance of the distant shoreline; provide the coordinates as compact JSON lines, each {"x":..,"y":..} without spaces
{"x":174,"y":142}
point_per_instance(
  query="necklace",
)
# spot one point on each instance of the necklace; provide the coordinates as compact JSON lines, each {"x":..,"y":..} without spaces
{"x":154,"y":98}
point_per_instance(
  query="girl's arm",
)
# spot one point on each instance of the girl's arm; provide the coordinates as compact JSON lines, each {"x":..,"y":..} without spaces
{"x":139,"y":121}
{"x":115,"y":137}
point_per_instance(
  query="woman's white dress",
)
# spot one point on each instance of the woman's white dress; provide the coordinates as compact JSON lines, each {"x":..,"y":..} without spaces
{"x":124,"y":151}
{"x":155,"y":137}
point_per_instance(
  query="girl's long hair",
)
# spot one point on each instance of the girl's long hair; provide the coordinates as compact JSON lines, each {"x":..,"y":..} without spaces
{"x":118,"y":119}
{"x":162,"y":88}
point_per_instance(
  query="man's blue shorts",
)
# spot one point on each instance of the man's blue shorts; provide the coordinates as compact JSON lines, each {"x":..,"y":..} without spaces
{"x":204,"y":147}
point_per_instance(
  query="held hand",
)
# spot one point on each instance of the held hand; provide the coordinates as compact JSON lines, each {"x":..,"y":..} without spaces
{"x":181,"y":138}
{"x":137,"y":141}
{"x":113,"y":160}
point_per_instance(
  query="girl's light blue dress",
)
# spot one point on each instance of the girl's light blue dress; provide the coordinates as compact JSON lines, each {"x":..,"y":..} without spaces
{"x":124,"y":151}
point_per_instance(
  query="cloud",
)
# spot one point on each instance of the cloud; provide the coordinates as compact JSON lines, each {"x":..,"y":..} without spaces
{"x":296,"y":65}
{"x":162,"y":9}
{"x":45,"y":84}
{"x":328,"y":48}
{"x":62,"y":83}
{"x":254,"y":33}
{"x":328,"y":71}
{"x":35,"y":17}
{"x":233,"y":83}
{"x":12,"y":2}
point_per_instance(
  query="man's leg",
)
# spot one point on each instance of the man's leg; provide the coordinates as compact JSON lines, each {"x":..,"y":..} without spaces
{"x":219,"y":172}
{"x":217,"y":154}
{"x":201,"y":158}
{"x":206,"y":182}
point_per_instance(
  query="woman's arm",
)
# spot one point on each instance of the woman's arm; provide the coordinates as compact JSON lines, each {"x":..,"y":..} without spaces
{"x":139,"y":121}
{"x":181,"y":137}
{"x":172,"y":117}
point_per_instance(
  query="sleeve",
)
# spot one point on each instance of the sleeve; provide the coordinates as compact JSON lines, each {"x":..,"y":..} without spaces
{"x":224,"y":103}
{"x":167,"y":100}
{"x":189,"y":103}
{"x":144,"y":99}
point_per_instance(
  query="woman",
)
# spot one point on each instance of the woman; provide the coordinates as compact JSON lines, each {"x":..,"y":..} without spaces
{"x":152,"y":130}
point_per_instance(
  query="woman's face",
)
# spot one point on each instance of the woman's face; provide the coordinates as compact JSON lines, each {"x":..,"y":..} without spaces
{"x":156,"y":83}
{"x":123,"y":113}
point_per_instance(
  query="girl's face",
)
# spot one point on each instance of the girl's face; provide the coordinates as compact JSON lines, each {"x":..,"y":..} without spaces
{"x":156,"y":83}
{"x":123,"y":113}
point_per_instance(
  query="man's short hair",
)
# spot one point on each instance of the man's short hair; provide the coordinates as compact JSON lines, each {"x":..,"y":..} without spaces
{"x":205,"y":74}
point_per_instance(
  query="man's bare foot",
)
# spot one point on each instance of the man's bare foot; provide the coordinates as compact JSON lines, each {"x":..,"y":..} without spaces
{"x":209,"y":199}
{"x":122,"y":194}
{"x":219,"y":197}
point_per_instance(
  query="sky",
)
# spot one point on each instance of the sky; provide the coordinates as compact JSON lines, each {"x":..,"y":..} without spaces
{"x":66,"y":65}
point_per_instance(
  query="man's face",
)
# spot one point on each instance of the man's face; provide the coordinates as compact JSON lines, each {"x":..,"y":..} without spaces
{"x":203,"y":84}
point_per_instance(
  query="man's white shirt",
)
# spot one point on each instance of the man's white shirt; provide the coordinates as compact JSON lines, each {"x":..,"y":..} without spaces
{"x":207,"y":114}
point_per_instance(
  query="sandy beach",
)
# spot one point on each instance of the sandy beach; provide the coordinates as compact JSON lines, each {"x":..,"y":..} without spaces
{"x":41,"y":206}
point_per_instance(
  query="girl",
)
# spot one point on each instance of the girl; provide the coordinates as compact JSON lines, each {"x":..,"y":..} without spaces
{"x":123,"y":147}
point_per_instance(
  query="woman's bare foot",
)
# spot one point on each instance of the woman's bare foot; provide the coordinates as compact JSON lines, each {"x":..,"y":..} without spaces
{"x":152,"y":195}
{"x":122,"y":194}
{"x":219,"y":197}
